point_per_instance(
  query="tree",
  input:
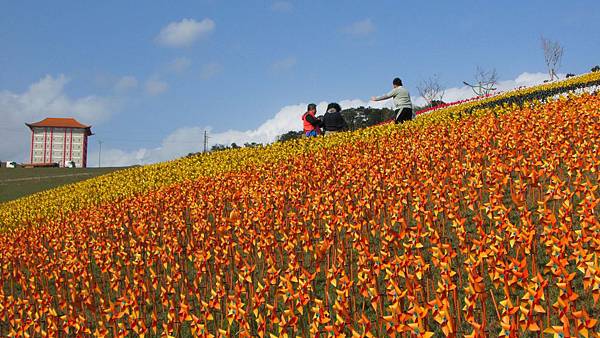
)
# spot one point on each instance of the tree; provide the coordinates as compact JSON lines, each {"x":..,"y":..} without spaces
{"x":219,"y":147}
{"x":252,"y":145}
{"x":290,"y":135}
{"x":362,"y":117}
{"x":485,"y":81}
{"x":356,"y":118}
{"x":553,"y":53}
{"x":431,"y":89}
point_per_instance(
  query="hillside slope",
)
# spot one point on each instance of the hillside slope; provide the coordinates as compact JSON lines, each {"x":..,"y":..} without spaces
{"x":482,"y":225}
{"x":130,"y":182}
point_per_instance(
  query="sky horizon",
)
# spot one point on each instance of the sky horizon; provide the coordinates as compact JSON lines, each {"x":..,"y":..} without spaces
{"x":151,"y":77}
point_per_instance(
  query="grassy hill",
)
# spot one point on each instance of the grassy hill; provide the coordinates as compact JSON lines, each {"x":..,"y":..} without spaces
{"x":479,"y":219}
{"x":139,"y":180}
{"x":19,"y":182}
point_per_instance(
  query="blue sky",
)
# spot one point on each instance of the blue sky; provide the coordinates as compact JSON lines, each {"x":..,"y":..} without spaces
{"x":235,"y":66}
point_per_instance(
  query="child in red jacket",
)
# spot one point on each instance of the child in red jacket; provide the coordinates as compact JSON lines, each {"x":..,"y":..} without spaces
{"x":312,"y":125}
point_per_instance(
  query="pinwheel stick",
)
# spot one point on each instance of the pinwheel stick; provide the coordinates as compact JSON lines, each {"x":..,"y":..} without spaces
{"x":548,"y":307}
{"x":482,"y":297}
{"x":495,"y":305}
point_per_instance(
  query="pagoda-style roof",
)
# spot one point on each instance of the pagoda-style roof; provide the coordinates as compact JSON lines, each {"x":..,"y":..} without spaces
{"x":59,"y":122}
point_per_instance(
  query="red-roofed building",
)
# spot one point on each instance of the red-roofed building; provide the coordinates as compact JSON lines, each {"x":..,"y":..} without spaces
{"x":59,"y":140}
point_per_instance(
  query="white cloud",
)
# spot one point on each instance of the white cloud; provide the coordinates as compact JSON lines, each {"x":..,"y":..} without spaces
{"x":180,"y":64}
{"x":282,"y":6}
{"x":284,"y":64}
{"x":360,"y":28}
{"x":464,"y":92}
{"x":126,"y":83}
{"x":116,"y":157}
{"x":155,"y":87}
{"x":189,"y":139}
{"x":45,"y":98}
{"x":184,"y":32}
{"x":209,"y":70}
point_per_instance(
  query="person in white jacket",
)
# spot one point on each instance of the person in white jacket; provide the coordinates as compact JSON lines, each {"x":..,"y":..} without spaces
{"x":402,"y":103}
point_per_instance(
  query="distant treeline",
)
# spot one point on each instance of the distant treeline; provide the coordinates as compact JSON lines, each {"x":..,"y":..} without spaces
{"x":356,"y":118}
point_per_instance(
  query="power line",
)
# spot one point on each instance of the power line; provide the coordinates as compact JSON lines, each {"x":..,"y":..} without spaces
{"x":116,"y":140}
{"x":14,"y":130}
{"x":119,"y":140}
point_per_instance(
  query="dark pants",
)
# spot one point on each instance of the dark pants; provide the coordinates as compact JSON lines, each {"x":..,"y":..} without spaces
{"x":404,"y":115}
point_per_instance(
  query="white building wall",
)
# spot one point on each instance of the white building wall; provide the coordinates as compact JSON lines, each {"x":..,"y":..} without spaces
{"x":57,"y":146}
{"x":38,"y":145}
{"x":77,"y":155}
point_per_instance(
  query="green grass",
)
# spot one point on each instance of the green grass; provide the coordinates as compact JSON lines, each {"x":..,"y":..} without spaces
{"x":19,"y":182}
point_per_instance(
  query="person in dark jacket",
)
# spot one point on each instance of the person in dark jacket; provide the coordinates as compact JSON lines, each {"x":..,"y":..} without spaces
{"x":333,"y":121}
{"x":311,"y":124}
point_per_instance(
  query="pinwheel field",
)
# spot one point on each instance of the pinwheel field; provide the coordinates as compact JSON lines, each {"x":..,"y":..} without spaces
{"x":478,"y":219}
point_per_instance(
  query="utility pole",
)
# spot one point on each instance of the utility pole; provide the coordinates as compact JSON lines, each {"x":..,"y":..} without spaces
{"x":205,"y":141}
{"x":99,"y":154}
